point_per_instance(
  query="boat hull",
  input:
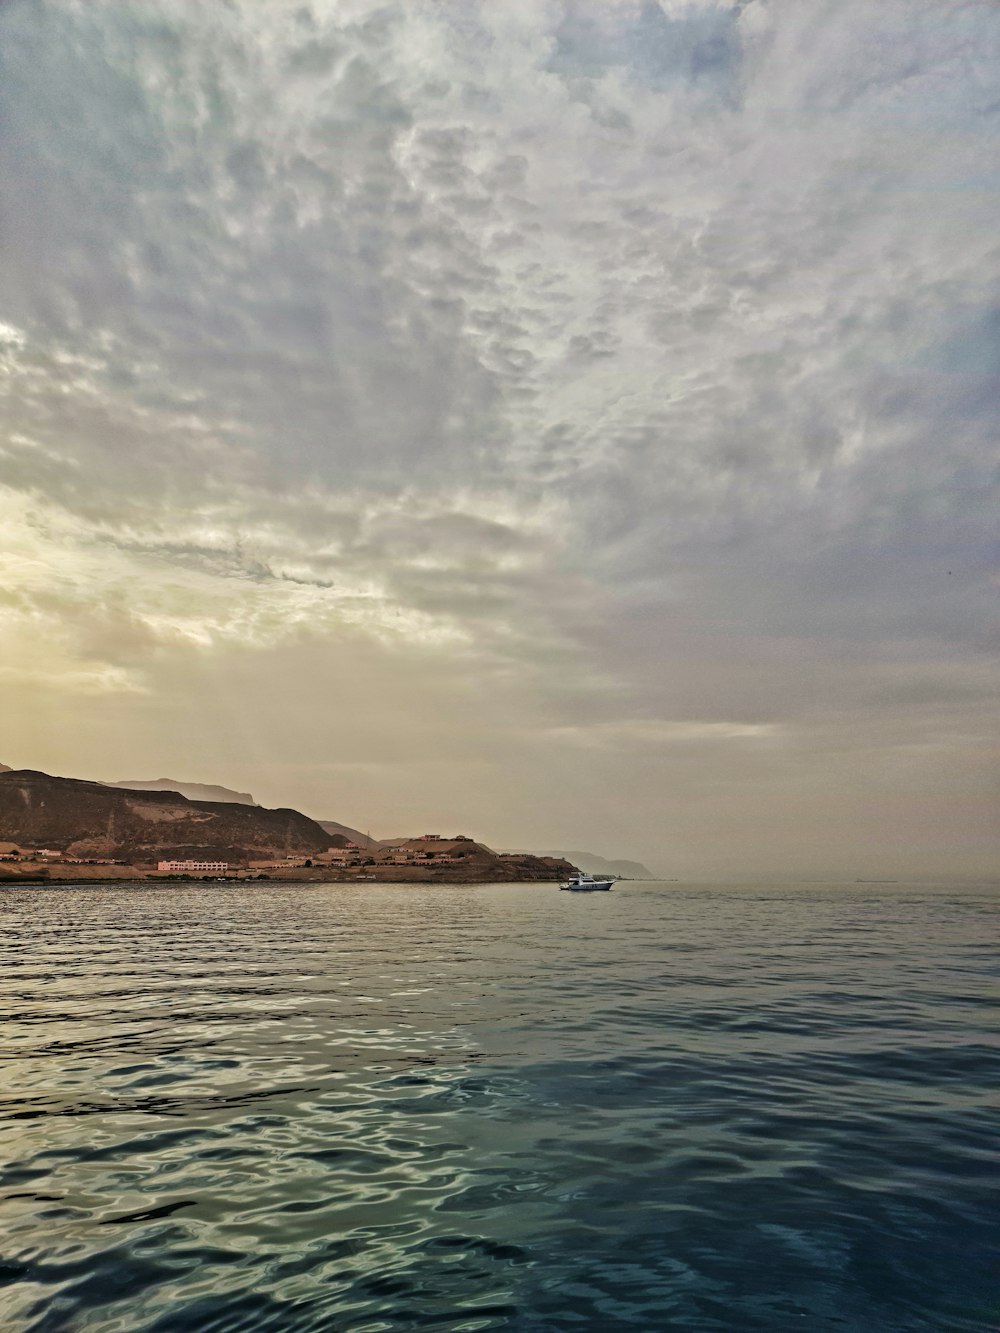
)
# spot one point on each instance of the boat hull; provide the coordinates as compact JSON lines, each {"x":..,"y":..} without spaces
{"x":584,"y":888}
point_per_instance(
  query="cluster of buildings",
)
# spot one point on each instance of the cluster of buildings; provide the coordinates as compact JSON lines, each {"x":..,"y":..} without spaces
{"x":9,"y":851}
{"x":186,"y":867}
{"x":427,"y":850}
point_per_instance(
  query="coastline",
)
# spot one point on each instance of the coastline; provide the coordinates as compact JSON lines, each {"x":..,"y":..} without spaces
{"x":311,"y":875}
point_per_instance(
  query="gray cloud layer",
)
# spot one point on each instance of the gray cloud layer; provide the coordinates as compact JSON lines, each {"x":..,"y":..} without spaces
{"x":601,"y":395}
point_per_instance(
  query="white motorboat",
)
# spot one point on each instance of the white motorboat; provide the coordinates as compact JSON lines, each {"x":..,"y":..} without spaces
{"x":581,"y":883}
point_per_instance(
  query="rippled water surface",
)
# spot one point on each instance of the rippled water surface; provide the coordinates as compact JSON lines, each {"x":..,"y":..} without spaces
{"x":378,"y":1108}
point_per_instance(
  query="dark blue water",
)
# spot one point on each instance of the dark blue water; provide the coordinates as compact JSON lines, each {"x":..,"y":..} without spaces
{"x":380,"y":1108}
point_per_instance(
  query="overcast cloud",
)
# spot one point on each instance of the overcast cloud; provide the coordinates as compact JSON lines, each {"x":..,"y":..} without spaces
{"x":570,"y":422}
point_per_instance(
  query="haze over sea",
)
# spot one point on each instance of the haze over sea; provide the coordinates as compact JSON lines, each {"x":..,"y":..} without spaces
{"x":383,"y":1108}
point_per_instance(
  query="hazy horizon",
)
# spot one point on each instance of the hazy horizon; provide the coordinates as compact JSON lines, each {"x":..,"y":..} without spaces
{"x":778,"y":874}
{"x":573,"y":424}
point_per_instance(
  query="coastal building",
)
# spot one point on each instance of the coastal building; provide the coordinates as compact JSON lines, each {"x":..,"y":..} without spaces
{"x":184,"y":867}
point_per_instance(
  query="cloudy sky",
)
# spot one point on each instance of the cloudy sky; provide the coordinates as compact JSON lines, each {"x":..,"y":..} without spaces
{"x":571,"y":422}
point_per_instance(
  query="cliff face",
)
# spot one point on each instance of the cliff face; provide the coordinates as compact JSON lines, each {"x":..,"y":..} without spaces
{"x":89,"y":819}
{"x":194,"y":791}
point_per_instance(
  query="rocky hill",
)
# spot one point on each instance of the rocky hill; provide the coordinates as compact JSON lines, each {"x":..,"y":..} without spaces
{"x":206,"y":791}
{"x":465,"y":860}
{"x":597,"y":865}
{"x":89,"y":819}
{"x":194,"y":791}
{"x":345,"y":831}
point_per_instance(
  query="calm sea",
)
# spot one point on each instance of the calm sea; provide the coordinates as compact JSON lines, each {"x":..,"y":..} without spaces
{"x":375,"y":1108}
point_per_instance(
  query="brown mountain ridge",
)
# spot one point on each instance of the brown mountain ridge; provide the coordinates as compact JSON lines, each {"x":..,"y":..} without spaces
{"x":70,"y":823}
{"x":89,"y":819}
{"x":194,"y":791}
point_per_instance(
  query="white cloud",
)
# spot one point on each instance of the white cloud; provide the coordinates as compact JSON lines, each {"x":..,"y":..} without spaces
{"x":636,"y":352}
{"x":656,"y":732}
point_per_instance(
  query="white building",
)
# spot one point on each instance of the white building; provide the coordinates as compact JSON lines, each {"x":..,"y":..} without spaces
{"x":183,"y":866}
